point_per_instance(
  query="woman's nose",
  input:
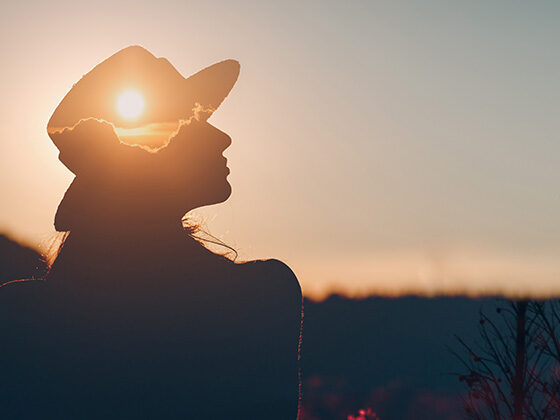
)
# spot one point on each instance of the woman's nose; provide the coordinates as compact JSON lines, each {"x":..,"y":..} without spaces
{"x":214,"y":138}
{"x":221,"y":140}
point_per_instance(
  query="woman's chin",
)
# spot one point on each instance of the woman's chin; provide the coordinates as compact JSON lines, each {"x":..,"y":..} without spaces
{"x":221,"y":193}
{"x":226,"y":191}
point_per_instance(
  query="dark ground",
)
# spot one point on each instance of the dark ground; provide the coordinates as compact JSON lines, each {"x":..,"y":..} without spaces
{"x":390,"y":355}
{"x":387,"y":354}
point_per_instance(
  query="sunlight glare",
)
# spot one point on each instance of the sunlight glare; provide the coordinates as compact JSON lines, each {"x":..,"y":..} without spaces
{"x":130,"y":104}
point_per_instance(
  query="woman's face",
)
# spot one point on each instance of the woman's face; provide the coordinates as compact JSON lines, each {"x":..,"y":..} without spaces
{"x":194,"y":168}
{"x":190,"y":172}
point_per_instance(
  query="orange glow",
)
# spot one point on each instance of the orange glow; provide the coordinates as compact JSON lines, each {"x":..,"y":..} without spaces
{"x":152,"y":136}
{"x":130,"y":104}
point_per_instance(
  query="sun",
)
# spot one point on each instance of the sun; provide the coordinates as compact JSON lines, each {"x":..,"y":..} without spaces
{"x":130,"y":104}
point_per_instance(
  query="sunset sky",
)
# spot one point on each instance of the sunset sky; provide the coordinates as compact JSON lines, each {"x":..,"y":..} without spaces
{"x":378,"y":146}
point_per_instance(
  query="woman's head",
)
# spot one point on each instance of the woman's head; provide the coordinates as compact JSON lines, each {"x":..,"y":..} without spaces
{"x":118,"y":181}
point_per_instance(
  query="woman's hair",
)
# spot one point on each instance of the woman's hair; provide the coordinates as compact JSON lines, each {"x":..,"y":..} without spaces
{"x":196,"y":230}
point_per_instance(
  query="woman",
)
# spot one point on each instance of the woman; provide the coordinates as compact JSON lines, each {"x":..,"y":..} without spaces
{"x":137,"y":319}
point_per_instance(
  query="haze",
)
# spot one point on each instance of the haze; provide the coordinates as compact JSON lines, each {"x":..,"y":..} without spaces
{"x":378,"y":147}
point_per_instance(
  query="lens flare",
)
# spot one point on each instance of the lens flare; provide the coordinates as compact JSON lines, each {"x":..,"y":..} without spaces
{"x":130,"y":104}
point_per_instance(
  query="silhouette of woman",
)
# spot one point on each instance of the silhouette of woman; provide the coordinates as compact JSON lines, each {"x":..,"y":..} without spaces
{"x":137,"y":319}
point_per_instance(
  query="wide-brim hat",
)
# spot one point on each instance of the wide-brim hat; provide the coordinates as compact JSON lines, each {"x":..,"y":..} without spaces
{"x":168,"y":97}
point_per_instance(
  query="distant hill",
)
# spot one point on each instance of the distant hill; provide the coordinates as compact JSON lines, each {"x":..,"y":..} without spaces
{"x":18,"y":261}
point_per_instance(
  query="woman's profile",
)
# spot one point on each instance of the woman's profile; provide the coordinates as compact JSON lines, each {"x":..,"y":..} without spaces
{"x":137,"y":318}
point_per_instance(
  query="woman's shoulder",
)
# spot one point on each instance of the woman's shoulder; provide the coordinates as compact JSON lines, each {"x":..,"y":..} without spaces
{"x":16,"y":292}
{"x":273,"y":275}
{"x":21,"y":302}
{"x":22,"y":286}
{"x":270,"y":267}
